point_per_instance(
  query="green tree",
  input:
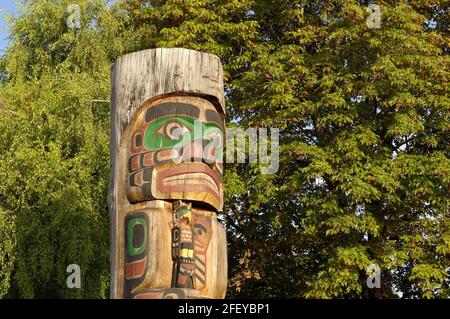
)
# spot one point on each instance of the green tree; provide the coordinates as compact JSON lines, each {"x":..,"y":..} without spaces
{"x":54,"y":150}
{"x":364,"y":143}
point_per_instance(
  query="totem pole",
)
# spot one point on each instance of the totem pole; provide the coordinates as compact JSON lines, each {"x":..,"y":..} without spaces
{"x":167,"y":126}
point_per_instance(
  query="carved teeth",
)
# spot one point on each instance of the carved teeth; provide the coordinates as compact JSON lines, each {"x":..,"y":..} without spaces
{"x":192,"y":178}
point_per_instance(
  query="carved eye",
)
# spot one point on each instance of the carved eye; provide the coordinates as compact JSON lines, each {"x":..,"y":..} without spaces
{"x":199,"y":232}
{"x":200,"y":229}
{"x":173,"y":130}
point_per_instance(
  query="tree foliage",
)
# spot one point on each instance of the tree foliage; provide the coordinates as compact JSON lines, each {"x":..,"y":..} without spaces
{"x":364,"y":143}
{"x":54,"y":148}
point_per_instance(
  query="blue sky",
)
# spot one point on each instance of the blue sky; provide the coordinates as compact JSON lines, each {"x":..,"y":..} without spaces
{"x":9,"y":6}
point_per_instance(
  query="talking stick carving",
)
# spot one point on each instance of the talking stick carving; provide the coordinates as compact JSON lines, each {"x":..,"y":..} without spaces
{"x":167,"y":127}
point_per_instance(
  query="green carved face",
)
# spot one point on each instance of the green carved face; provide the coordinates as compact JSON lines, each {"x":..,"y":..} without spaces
{"x":176,"y":152}
{"x":178,"y":131}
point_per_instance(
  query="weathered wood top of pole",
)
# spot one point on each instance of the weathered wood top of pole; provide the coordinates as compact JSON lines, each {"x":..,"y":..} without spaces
{"x":141,"y":75}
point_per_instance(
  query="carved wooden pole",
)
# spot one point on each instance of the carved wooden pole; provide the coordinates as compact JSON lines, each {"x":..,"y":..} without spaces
{"x":167,"y":125}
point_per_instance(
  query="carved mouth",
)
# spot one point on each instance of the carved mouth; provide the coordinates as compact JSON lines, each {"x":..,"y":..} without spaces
{"x":189,"y":181}
{"x":192,"y":179}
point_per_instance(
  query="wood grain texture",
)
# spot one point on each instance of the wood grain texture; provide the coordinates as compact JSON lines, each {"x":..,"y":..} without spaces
{"x":137,"y":78}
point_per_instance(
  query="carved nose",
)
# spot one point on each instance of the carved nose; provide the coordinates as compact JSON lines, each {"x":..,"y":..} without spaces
{"x":199,"y":151}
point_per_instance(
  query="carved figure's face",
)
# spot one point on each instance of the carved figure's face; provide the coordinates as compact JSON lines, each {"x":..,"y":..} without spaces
{"x":175,"y":152}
